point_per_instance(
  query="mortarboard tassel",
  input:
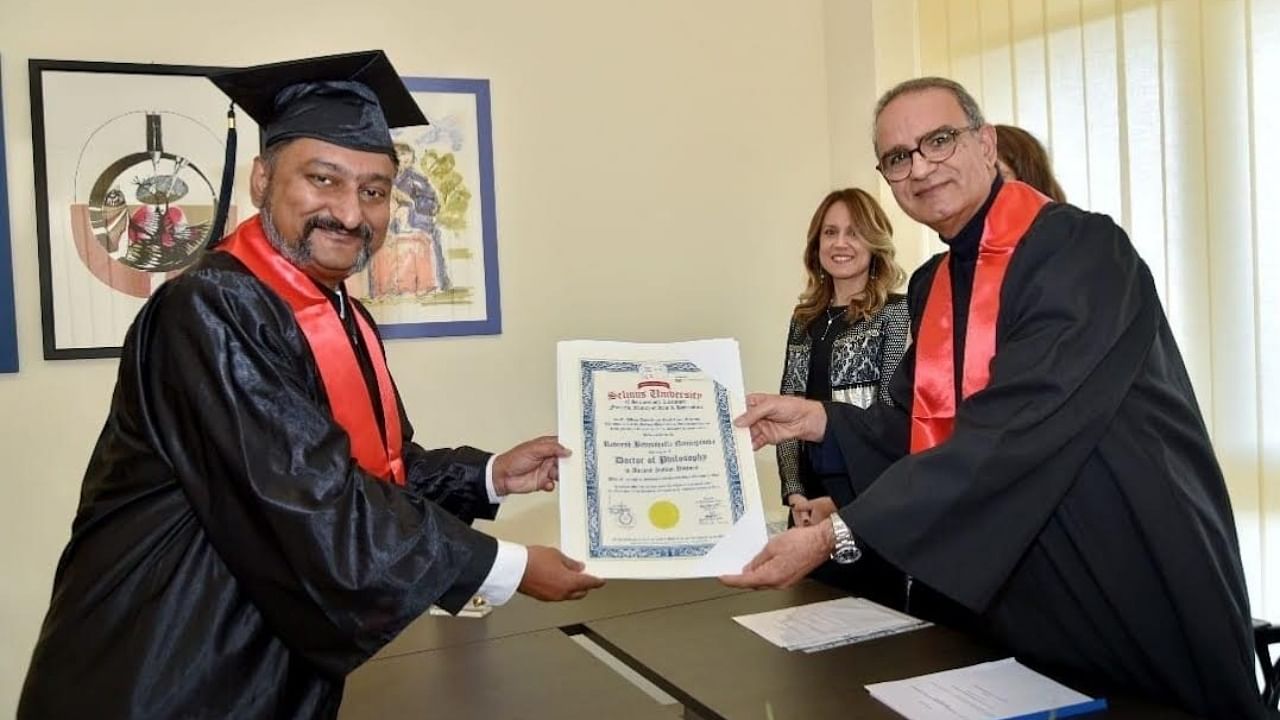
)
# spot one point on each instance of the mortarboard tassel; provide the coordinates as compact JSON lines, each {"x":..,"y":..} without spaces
{"x":228,"y":177}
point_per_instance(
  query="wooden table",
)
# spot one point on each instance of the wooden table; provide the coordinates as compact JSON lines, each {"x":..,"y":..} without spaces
{"x":522,"y":614}
{"x":534,"y":675}
{"x":697,"y":653}
{"x":519,"y":661}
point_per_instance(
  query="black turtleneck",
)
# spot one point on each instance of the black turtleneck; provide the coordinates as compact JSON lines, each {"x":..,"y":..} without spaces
{"x":961,"y":263}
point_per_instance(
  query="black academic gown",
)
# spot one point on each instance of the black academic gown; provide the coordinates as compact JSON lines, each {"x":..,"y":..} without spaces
{"x":228,"y":558}
{"x":1077,"y":514}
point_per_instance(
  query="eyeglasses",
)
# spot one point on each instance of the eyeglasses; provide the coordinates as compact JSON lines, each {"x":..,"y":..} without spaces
{"x":936,"y":147}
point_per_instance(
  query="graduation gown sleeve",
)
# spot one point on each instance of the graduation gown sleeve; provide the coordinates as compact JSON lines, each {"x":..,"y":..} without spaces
{"x":337,"y":561}
{"x":452,"y":478}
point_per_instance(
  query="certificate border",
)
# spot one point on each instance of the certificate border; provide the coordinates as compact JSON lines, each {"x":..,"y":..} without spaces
{"x":594,"y":547}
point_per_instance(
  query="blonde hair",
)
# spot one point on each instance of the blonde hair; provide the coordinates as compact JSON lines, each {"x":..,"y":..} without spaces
{"x":884,"y":274}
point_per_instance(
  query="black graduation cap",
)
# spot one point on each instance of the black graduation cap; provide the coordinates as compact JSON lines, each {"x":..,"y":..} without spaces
{"x":351,"y":100}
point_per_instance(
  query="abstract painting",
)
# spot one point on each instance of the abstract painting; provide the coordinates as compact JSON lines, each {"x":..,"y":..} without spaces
{"x":127,"y":162}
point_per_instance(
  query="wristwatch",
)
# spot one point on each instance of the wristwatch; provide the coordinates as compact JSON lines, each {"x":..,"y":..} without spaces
{"x":846,"y":551}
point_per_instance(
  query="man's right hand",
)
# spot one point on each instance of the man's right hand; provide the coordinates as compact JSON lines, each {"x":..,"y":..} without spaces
{"x":775,"y":418}
{"x":551,"y":575}
{"x":786,"y":559}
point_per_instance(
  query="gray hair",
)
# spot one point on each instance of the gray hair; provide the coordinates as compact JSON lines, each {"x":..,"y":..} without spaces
{"x":300,"y":254}
{"x":962,"y":96}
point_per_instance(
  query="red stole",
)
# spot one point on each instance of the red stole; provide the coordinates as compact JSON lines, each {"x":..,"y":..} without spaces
{"x":336,"y":359}
{"x":933,"y":409}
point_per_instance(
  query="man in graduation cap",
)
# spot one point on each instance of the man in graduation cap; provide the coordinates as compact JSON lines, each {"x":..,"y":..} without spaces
{"x":1044,"y":467}
{"x":256,"y":521}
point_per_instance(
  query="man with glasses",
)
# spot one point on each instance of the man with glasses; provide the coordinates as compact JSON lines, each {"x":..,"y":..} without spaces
{"x":1045,"y":466}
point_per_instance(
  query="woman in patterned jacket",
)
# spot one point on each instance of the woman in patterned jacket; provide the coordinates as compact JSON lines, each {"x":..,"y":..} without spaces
{"x":847,"y":335}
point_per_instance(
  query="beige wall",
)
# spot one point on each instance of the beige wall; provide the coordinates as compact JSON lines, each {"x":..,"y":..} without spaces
{"x":870,"y":47}
{"x":655,"y":165}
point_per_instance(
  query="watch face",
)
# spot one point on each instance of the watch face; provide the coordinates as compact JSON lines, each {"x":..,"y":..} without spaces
{"x":846,"y":555}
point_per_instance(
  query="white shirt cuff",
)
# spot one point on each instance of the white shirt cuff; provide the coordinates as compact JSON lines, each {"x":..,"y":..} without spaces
{"x":505,"y":575}
{"x":494,"y":497}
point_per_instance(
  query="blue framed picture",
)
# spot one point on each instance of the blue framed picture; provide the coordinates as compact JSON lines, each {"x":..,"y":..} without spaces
{"x":437,"y":273}
{"x":8,"y":325}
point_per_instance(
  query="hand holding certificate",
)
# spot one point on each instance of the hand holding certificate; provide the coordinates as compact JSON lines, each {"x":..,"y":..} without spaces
{"x":660,"y":483}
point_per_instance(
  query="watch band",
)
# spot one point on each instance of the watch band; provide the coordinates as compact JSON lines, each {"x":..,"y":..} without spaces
{"x":846,"y":551}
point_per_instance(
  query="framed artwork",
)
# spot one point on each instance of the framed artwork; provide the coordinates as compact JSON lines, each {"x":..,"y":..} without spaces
{"x":127,"y":161}
{"x":8,"y":327}
{"x":437,"y":272}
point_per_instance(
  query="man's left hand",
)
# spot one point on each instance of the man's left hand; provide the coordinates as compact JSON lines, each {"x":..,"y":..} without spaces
{"x":787,"y":559}
{"x":529,"y":466}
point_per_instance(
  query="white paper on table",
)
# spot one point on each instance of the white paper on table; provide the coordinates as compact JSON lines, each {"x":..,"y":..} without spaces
{"x":990,"y":691}
{"x":718,"y":553}
{"x":830,"y":623}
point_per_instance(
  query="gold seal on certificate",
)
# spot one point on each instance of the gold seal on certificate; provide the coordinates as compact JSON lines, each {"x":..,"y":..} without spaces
{"x":660,"y":484}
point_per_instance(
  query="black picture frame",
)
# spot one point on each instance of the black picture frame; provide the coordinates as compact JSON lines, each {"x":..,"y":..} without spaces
{"x":129,"y":93}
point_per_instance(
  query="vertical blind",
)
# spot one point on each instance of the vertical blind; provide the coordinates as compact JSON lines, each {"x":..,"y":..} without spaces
{"x":1164,"y":114}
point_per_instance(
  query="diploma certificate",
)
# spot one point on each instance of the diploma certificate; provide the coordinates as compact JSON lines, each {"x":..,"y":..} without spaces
{"x":660,"y":483}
